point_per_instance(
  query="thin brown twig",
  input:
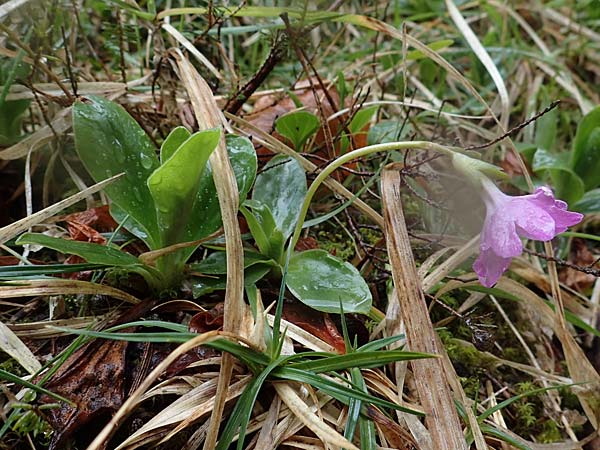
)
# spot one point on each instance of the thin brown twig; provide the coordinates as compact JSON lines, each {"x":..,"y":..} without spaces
{"x":275,"y":56}
{"x":561,"y":262}
{"x":516,"y":129}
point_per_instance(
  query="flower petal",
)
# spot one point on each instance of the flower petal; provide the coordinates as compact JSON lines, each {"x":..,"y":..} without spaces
{"x":565,"y":219}
{"x":557,"y":209}
{"x":500,"y":234}
{"x":490,"y":267}
{"x":532,"y":221}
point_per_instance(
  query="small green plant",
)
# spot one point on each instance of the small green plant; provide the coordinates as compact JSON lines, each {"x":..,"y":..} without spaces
{"x":317,"y":278}
{"x":163,"y":202}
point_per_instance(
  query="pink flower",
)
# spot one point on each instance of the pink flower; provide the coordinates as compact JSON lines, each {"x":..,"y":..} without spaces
{"x":536,"y":216}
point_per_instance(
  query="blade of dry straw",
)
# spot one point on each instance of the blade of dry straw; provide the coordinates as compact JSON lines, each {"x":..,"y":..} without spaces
{"x":55,"y":286}
{"x":208,"y":115}
{"x":11,"y":344}
{"x":10,"y":231}
{"x":483,"y":56}
{"x":103,"y":437}
{"x":60,"y":123}
{"x":303,"y":412}
{"x":434,"y":392}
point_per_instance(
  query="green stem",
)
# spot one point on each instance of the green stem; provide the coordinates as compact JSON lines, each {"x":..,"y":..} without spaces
{"x":423,"y":145}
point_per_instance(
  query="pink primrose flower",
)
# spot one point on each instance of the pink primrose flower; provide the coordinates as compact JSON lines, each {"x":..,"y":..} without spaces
{"x":537,"y":216}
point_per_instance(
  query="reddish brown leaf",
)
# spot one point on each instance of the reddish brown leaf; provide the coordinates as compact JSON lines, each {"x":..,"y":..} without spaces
{"x":583,"y":257}
{"x":268,"y":108}
{"x":81,"y":232}
{"x":396,"y":436}
{"x":306,"y":243}
{"x":99,"y":218}
{"x":207,"y":320}
{"x":317,"y":323}
{"x":93,"y":379}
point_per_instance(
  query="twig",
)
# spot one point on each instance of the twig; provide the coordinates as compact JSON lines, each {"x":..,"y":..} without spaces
{"x":519,"y":127}
{"x":561,"y":262}
{"x":276,"y":54}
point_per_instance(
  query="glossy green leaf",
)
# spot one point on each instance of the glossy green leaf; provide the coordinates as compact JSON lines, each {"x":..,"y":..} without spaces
{"x":359,"y":121}
{"x":205,"y":285}
{"x":109,"y":141}
{"x":174,"y":140}
{"x":589,"y":203}
{"x":268,"y":238}
{"x":387,"y":131}
{"x":216,"y":263}
{"x":281,"y":186}
{"x":585,"y":161}
{"x":569,"y":187}
{"x":322,"y":281}
{"x":243,"y":161}
{"x":174,"y":185}
{"x":92,"y":253}
{"x":363,"y":360}
{"x":205,"y":217}
{"x":297,"y":126}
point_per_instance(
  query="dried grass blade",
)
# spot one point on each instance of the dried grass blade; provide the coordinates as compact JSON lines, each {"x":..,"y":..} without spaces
{"x":442,"y":418}
{"x":10,"y":231}
{"x":29,"y":288}
{"x":301,"y":410}
{"x":102,"y":438}
{"x":483,"y":56}
{"x":209,"y":115}
{"x":11,"y":344}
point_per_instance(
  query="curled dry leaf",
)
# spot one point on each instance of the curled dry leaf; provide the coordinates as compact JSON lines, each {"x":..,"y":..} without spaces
{"x":93,"y":379}
{"x":317,"y":323}
{"x":208,"y":320}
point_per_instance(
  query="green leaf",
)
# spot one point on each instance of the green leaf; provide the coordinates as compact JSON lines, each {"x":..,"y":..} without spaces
{"x":336,"y":390}
{"x":242,"y":412}
{"x":387,"y":131}
{"x":321,"y":281}
{"x":12,"y":272}
{"x":216,"y":263}
{"x":586,"y":149}
{"x":363,"y":360}
{"x":174,"y":185}
{"x":569,"y":187}
{"x":359,"y":121}
{"x":11,"y":118}
{"x":109,"y":141}
{"x":243,"y":161}
{"x":269,"y":239}
{"x":545,"y":129}
{"x":297,"y":126}
{"x":205,"y":217}
{"x":205,"y":285}
{"x":174,"y":140}
{"x":92,"y":253}
{"x":281,"y":186}
{"x":589,"y":203}
{"x":7,"y":376}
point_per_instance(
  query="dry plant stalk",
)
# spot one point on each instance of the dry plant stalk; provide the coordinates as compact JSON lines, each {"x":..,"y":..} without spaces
{"x":434,"y":392}
{"x":208,"y":116}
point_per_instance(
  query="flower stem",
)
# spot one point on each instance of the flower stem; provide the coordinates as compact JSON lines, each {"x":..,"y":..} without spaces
{"x":361,"y":152}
